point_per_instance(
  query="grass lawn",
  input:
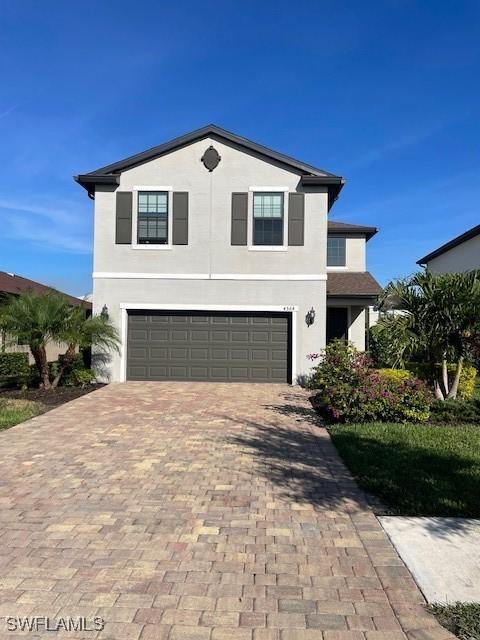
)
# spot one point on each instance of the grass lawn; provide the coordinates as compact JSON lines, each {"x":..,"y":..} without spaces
{"x":415,"y":469}
{"x":461,"y":619}
{"x":14,"y":411}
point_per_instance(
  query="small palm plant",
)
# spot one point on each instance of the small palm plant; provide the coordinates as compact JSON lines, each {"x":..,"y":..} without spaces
{"x":37,"y":319}
{"x":441,"y":317}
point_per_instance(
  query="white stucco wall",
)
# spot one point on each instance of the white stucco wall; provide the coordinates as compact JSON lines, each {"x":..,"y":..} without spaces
{"x":212,"y":271}
{"x":464,"y":257}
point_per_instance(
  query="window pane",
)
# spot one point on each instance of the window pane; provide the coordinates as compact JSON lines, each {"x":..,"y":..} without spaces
{"x":268,"y":219}
{"x":336,"y":251}
{"x":153,"y":217}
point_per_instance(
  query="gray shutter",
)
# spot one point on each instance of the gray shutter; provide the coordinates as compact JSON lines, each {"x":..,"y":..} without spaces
{"x":296,"y":219}
{"x":180,"y":217}
{"x":123,"y":227}
{"x":239,"y":218}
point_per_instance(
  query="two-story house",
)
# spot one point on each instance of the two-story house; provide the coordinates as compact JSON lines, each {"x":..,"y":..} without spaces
{"x":214,"y":257}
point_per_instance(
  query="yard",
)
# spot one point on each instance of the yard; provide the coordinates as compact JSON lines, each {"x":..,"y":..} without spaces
{"x":422,"y":470}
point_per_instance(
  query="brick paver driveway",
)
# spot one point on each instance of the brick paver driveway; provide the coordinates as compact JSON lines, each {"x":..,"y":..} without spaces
{"x":195,"y":511}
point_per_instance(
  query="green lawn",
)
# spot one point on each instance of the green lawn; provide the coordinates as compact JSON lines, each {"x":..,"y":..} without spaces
{"x":461,"y":619}
{"x":415,"y":469}
{"x":14,"y":411}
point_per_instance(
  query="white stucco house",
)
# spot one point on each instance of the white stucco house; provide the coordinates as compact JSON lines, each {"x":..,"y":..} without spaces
{"x":460,"y":254}
{"x":215,"y":258}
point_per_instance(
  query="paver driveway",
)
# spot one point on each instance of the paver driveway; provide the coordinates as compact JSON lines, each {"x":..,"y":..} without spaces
{"x":195,"y":511}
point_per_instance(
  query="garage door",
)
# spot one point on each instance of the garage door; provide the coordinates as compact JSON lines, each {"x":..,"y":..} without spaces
{"x":237,"y":347}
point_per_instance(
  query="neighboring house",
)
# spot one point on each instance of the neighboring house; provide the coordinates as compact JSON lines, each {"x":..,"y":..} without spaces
{"x":460,"y":254}
{"x":211,"y":258}
{"x":11,"y":284}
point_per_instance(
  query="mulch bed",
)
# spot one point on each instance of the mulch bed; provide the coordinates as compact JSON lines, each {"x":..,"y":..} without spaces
{"x":50,"y":399}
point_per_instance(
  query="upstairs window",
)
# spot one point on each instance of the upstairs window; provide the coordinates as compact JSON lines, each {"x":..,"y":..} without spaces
{"x":336,"y":253}
{"x":268,"y":219}
{"x":153,"y":217}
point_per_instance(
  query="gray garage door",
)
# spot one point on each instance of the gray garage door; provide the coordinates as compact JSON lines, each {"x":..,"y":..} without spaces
{"x":237,"y":347}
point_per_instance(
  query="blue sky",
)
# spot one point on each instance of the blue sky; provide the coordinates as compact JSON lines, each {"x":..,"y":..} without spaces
{"x":385,"y":93}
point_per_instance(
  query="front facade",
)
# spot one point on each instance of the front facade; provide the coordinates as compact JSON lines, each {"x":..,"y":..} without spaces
{"x":458,"y":255}
{"x":211,"y":257}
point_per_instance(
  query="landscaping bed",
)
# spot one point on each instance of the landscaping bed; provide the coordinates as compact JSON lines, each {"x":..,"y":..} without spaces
{"x":17,"y":405}
{"x":50,"y":399}
{"x":416,"y":470}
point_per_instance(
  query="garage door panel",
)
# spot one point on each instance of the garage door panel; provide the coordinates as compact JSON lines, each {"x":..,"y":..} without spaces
{"x":238,"y":347}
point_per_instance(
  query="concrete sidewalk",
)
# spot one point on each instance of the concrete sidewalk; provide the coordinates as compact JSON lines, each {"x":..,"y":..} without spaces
{"x":443,"y":554}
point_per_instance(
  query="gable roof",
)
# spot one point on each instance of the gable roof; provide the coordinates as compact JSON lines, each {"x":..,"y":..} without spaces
{"x":11,"y":283}
{"x":310,"y":175}
{"x":352,"y":283}
{"x":335,"y":226}
{"x":468,"y":235}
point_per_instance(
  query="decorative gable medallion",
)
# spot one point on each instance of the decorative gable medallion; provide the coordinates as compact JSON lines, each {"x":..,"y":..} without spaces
{"x":211,"y":158}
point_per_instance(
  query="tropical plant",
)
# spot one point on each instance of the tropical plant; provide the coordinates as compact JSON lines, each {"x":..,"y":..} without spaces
{"x":38,"y":319}
{"x":441,"y":318}
{"x":351,"y":390}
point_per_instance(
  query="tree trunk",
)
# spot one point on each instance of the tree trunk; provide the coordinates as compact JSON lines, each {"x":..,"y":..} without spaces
{"x":452,"y":394}
{"x":438,"y":390}
{"x":40,"y":356}
{"x":67,"y":360}
{"x":445,"y":376}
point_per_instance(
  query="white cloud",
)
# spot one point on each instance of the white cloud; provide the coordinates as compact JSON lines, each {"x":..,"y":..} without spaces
{"x":54,"y":227}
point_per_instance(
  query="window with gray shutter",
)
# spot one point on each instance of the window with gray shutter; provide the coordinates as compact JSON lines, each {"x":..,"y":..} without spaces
{"x":268,"y":219}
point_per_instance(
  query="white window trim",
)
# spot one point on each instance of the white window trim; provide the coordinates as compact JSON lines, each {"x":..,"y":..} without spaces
{"x":151,"y":247}
{"x":259,"y":247}
{"x":126,"y":306}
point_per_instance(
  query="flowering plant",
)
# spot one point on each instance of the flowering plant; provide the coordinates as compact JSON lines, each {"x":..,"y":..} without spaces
{"x":351,"y":390}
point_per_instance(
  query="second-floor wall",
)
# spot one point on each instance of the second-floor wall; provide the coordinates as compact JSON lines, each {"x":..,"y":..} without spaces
{"x":209,"y":249}
{"x":346,"y":252}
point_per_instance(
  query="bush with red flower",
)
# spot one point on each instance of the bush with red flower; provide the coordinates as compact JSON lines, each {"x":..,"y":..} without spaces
{"x":349,"y":389}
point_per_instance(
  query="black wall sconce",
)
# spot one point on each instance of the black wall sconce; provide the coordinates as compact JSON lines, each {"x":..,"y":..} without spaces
{"x":104,"y":312}
{"x":310,"y":317}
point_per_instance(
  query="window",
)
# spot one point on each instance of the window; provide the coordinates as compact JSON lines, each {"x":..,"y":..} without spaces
{"x":153,"y":217}
{"x":268,"y":219}
{"x":336,"y":251}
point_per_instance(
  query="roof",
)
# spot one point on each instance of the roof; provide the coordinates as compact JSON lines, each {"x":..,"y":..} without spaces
{"x":352,"y":283}
{"x":11,"y":283}
{"x":310,"y":175}
{"x":468,"y":235}
{"x":335,"y":226}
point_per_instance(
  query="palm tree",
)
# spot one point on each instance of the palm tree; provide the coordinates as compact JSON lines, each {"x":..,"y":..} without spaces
{"x":35,"y":319}
{"x":38,"y":319}
{"x":441,"y":315}
{"x":80,"y":332}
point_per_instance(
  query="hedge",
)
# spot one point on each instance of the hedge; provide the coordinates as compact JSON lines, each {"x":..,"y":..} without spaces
{"x":14,"y":369}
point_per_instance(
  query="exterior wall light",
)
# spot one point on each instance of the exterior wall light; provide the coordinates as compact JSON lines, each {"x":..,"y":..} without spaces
{"x":104,"y":312}
{"x":310,"y":317}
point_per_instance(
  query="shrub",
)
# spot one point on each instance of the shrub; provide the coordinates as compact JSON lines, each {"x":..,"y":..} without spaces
{"x":466,"y":386}
{"x":455,"y":412}
{"x":79,"y":376}
{"x":14,"y":369}
{"x":395,"y":375}
{"x":350,"y":390}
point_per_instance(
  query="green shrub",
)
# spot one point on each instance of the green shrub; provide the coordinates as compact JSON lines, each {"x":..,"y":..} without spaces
{"x":455,"y":412}
{"x":14,"y":369}
{"x":466,"y":386}
{"x":395,"y":375}
{"x":78,"y":376}
{"x":351,"y":390}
